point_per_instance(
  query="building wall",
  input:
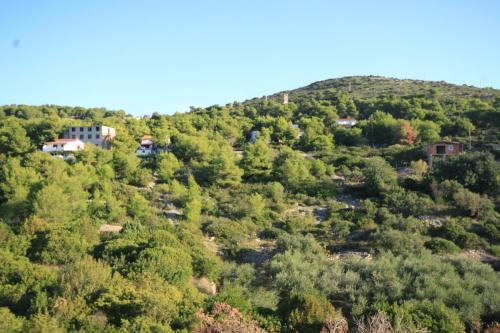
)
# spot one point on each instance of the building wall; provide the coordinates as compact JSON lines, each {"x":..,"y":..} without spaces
{"x":431,"y":149}
{"x":63,"y":147}
{"x":346,"y":122}
{"x":95,"y":134}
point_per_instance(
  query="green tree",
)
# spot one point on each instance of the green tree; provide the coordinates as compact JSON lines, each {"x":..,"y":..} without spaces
{"x":419,"y":167}
{"x":222,"y":170}
{"x":58,"y":205}
{"x":283,"y":131}
{"x":427,"y":131}
{"x":16,"y":185}
{"x":257,"y":161}
{"x":172,"y":264}
{"x":192,"y":206}
{"x":43,"y":323}
{"x":84,"y":277}
{"x":10,"y":323}
{"x":314,"y":137}
{"x":291,"y":168}
{"x":13,"y":138}
{"x":379,"y":176}
{"x":477,"y":171}
{"x":125,"y":163}
{"x":167,"y":166}
{"x":138,"y":207}
{"x":382,"y":128}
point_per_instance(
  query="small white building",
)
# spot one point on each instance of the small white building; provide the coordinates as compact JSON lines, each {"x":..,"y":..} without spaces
{"x":146,"y":146}
{"x":346,"y":122}
{"x":63,"y":146}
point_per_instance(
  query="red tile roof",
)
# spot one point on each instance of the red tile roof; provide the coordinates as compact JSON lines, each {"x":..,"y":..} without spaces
{"x":56,"y":141}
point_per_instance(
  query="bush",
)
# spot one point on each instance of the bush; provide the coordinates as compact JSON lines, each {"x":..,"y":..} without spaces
{"x":441,"y":246}
{"x":435,"y":316}
{"x":479,"y":172}
{"x":473,"y":204}
{"x":306,"y":312}
{"x":293,"y":224}
{"x":379,"y":176}
{"x":172,"y":264}
{"x":9,"y":322}
{"x":399,"y":242}
{"x":457,"y":234}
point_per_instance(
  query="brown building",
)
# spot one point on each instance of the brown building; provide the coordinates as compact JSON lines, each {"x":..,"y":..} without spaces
{"x":442,"y":149}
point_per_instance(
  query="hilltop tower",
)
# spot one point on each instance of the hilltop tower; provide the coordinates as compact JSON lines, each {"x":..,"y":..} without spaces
{"x":285,"y":98}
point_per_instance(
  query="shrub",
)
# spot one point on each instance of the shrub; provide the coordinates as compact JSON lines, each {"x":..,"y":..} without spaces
{"x":379,"y":176}
{"x":435,"y":316}
{"x":457,"y":234}
{"x":441,"y":246}
{"x":306,"y":312}
{"x":172,"y":264}
{"x":473,"y":204}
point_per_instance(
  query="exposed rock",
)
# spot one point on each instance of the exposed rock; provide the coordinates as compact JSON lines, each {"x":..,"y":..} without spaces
{"x":431,"y":220}
{"x":353,"y":254}
{"x":110,"y":228}
{"x":205,"y":286}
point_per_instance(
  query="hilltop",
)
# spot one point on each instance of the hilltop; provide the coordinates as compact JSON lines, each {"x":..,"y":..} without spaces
{"x":378,"y":86}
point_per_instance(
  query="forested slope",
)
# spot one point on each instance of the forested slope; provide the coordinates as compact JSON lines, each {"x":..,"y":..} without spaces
{"x":308,"y":229}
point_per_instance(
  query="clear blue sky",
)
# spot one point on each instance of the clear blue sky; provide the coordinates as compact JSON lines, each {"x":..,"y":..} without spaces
{"x":164,"y":56}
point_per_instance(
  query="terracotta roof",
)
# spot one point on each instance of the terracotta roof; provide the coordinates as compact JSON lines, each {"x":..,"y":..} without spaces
{"x":61,"y":141}
{"x":445,"y":141}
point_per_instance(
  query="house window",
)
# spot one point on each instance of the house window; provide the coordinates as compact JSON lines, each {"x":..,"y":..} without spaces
{"x":97,"y":128}
{"x":440,"y":150}
{"x":97,"y":136}
{"x":90,"y":129}
{"x":90,"y":136}
{"x":54,"y":146}
{"x":81,"y":129}
{"x":82,"y":136}
{"x":73,"y":129}
{"x":450,"y":147}
{"x":73,"y":136}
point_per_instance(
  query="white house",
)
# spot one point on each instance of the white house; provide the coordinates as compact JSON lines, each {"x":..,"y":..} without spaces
{"x":146,"y":146}
{"x":346,"y":122}
{"x":63,"y":146}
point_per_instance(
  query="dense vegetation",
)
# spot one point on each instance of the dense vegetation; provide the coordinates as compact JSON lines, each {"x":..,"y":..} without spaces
{"x":335,"y":228}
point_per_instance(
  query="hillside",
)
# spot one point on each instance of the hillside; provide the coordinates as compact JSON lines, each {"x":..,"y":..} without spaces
{"x":378,"y":86}
{"x":257,"y":216}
